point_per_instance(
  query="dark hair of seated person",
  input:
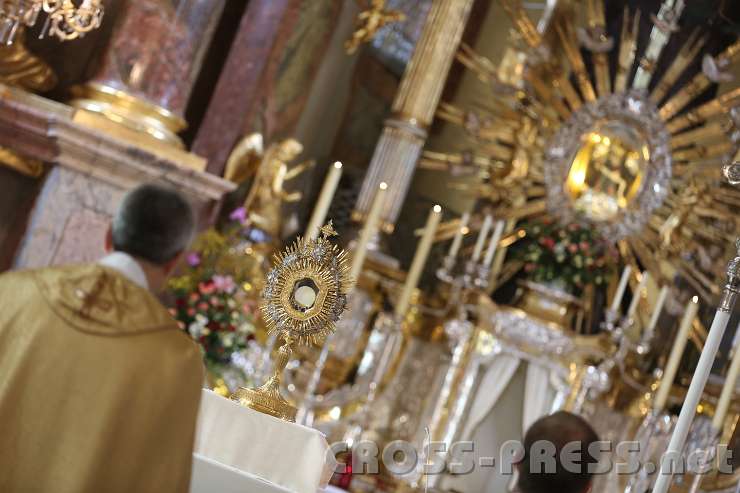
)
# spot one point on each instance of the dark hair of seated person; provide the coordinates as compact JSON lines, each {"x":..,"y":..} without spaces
{"x":559,"y":429}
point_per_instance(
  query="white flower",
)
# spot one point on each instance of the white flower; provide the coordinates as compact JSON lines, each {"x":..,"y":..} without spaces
{"x":196,"y":329}
{"x":227,"y":339}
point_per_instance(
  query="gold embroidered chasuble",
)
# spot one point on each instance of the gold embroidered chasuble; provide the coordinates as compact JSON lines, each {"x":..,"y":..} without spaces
{"x":99,"y":389}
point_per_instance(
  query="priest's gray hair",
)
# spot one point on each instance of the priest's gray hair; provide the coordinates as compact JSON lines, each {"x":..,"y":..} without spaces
{"x":154,"y":223}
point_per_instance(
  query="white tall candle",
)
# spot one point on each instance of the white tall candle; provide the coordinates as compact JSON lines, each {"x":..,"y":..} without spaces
{"x":457,"y":240}
{"x":482,"y":235}
{"x":658,"y":308}
{"x":637,"y":295}
{"x":495,"y":238}
{"x":420,"y":258}
{"x":325,"y":197}
{"x":671,"y":367}
{"x":696,"y":388}
{"x":621,"y":288}
{"x":370,"y":228}
{"x":723,"y":404}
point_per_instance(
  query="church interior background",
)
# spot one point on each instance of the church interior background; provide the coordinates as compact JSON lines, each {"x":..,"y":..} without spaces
{"x":542,"y":195}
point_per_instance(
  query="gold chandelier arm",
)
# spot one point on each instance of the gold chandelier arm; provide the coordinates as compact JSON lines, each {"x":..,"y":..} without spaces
{"x":684,"y":57}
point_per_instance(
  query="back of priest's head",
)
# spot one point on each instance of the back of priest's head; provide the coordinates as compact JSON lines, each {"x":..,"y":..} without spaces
{"x":545,"y":468}
{"x":154,"y":223}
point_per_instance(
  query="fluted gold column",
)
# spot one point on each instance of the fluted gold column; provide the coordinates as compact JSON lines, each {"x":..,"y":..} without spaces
{"x":405,"y":131}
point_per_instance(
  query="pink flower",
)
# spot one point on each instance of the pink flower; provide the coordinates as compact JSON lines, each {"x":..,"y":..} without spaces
{"x":224,"y":284}
{"x":572,"y":248}
{"x":239,"y":214}
{"x":583,"y":246}
{"x":193,"y":259}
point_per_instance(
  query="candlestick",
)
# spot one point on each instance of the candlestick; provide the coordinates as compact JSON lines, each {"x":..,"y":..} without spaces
{"x":370,"y":228}
{"x":658,"y":308}
{"x":703,"y":368}
{"x":482,"y":237}
{"x":495,"y":238}
{"x":322,"y":204}
{"x":621,"y":288}
{"x":637,"y":295}
{"x":457,"y":240}
{"x":727,"y":390}
{"x":420,"y":258}
{"x":671,"y":367}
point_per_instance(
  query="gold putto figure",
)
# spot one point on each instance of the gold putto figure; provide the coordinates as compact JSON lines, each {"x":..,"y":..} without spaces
{"x":270,"y":172}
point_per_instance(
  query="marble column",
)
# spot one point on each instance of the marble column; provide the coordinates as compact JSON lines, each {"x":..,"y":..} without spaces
{"x":265,"y":82}
{"x":413,"y":110}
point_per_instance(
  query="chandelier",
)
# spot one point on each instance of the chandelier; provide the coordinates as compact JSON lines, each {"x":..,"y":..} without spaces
{"x":65,"y":19}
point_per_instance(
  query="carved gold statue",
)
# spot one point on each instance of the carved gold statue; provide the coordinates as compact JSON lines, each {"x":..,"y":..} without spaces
{"x":269,"y":171}
{"x":369,"y":22}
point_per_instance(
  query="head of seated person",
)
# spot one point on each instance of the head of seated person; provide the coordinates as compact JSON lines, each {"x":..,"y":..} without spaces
{"x":154,"y":224}
{"x":557,"y":455}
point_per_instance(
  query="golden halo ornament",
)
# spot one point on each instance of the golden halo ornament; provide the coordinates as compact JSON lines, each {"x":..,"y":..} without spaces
{"x":305,"y":294}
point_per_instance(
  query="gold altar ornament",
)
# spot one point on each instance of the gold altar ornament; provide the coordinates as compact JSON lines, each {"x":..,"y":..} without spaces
{"x":369,"y":22}
{"x":64,"y":20}
{"x":305,"y":294}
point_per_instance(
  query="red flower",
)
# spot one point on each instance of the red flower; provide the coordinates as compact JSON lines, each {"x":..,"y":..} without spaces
{"x":207,"y":287}
{"x":203,"y":306}
{"x":547,"y":242}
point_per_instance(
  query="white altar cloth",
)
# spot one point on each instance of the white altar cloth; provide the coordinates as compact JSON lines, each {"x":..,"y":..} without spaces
{"x":290,"y":456}
{"x":210,"y":476}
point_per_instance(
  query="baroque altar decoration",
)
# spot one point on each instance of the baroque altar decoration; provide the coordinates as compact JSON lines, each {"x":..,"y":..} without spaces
{"x":633,"y":153}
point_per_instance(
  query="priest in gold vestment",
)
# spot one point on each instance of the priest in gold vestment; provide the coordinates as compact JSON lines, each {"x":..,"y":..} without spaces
{"x":99,"y":389}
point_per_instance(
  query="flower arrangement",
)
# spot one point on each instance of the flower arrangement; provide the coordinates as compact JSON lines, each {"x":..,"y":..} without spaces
{"x":215,"y":300}
{"x":572,"y":255}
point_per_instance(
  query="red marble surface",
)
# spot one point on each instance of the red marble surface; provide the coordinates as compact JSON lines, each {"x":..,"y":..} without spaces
{"x":266,"y":80}
{"x":237,"y":93}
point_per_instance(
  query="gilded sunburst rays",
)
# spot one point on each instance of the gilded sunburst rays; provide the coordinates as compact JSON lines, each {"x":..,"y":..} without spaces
{"x":554,"y":91}
{"x":306,"y":290}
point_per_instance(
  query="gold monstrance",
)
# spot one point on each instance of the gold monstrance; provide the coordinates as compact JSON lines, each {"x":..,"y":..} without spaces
{"x":305,"y":294}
